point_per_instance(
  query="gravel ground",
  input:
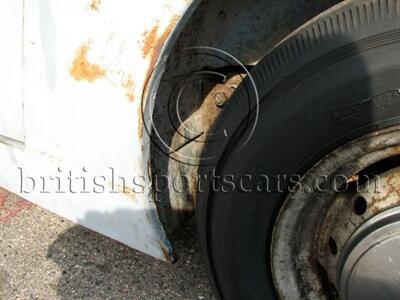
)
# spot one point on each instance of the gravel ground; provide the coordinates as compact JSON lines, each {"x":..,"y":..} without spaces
{"x":46,"y":257}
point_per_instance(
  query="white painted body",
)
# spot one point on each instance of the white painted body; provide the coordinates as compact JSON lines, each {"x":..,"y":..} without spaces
{"x":53,"y":120}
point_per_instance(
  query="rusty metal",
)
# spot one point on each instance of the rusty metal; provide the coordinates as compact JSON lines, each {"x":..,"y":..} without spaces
{"x":379,"y":193}
{"x":86,"y":93}
{"x":242,"y":33}
{"x":187,"y":142}
{"x":316,"y":221}
{"x":78,"y":109}
{"x":220,"y":99}
{"x":82,"y":69}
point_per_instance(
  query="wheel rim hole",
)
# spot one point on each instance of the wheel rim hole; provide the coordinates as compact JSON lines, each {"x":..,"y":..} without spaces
{"x":360,"y":206}
{"x":333,"y":246}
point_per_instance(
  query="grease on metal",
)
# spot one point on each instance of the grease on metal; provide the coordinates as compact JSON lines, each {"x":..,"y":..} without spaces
{"x":82,"y":69}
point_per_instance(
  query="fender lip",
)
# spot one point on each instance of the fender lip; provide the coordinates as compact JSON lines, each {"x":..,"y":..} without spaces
{"x":158,"y":50}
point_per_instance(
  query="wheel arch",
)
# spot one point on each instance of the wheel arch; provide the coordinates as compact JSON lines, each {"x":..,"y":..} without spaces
{"x":236,"y":27}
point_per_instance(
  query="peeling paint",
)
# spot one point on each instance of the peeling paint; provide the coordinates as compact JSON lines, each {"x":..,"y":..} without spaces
{"x":94,"y":5}
{"x":82,"y":69}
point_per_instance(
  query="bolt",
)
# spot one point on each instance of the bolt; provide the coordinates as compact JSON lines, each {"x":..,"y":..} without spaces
{"x":222,"y":14}
{"x":220,"y":99}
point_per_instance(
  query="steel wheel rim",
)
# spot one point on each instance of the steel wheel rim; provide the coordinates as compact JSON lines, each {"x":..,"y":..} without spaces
{"x":301,"y":236}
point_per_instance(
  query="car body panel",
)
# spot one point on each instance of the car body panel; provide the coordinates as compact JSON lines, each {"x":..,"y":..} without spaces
{"x":79,"y":148}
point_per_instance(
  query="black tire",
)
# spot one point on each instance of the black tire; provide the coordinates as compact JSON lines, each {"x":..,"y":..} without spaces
{"x":319,"y":89}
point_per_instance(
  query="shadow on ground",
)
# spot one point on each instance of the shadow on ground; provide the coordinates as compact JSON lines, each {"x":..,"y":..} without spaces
{"x":96,"y":267}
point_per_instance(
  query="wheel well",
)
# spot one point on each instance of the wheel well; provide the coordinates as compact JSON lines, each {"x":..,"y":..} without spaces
{"x":246,"y":29}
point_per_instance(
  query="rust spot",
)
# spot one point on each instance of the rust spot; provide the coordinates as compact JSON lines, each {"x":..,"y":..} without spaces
{"x":353,"y":178}
{"x":396,"y":149}
{"x":153,"y":43}
{"x":150,"y":38}
{"x":140,"y":123}
{"x":128,"y":84}
{"x":166,"y":253}
{"x":82,"y":69}
{"x":127,"y":191}
{"x":94,"y":5}
{"x":123,"y":189}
